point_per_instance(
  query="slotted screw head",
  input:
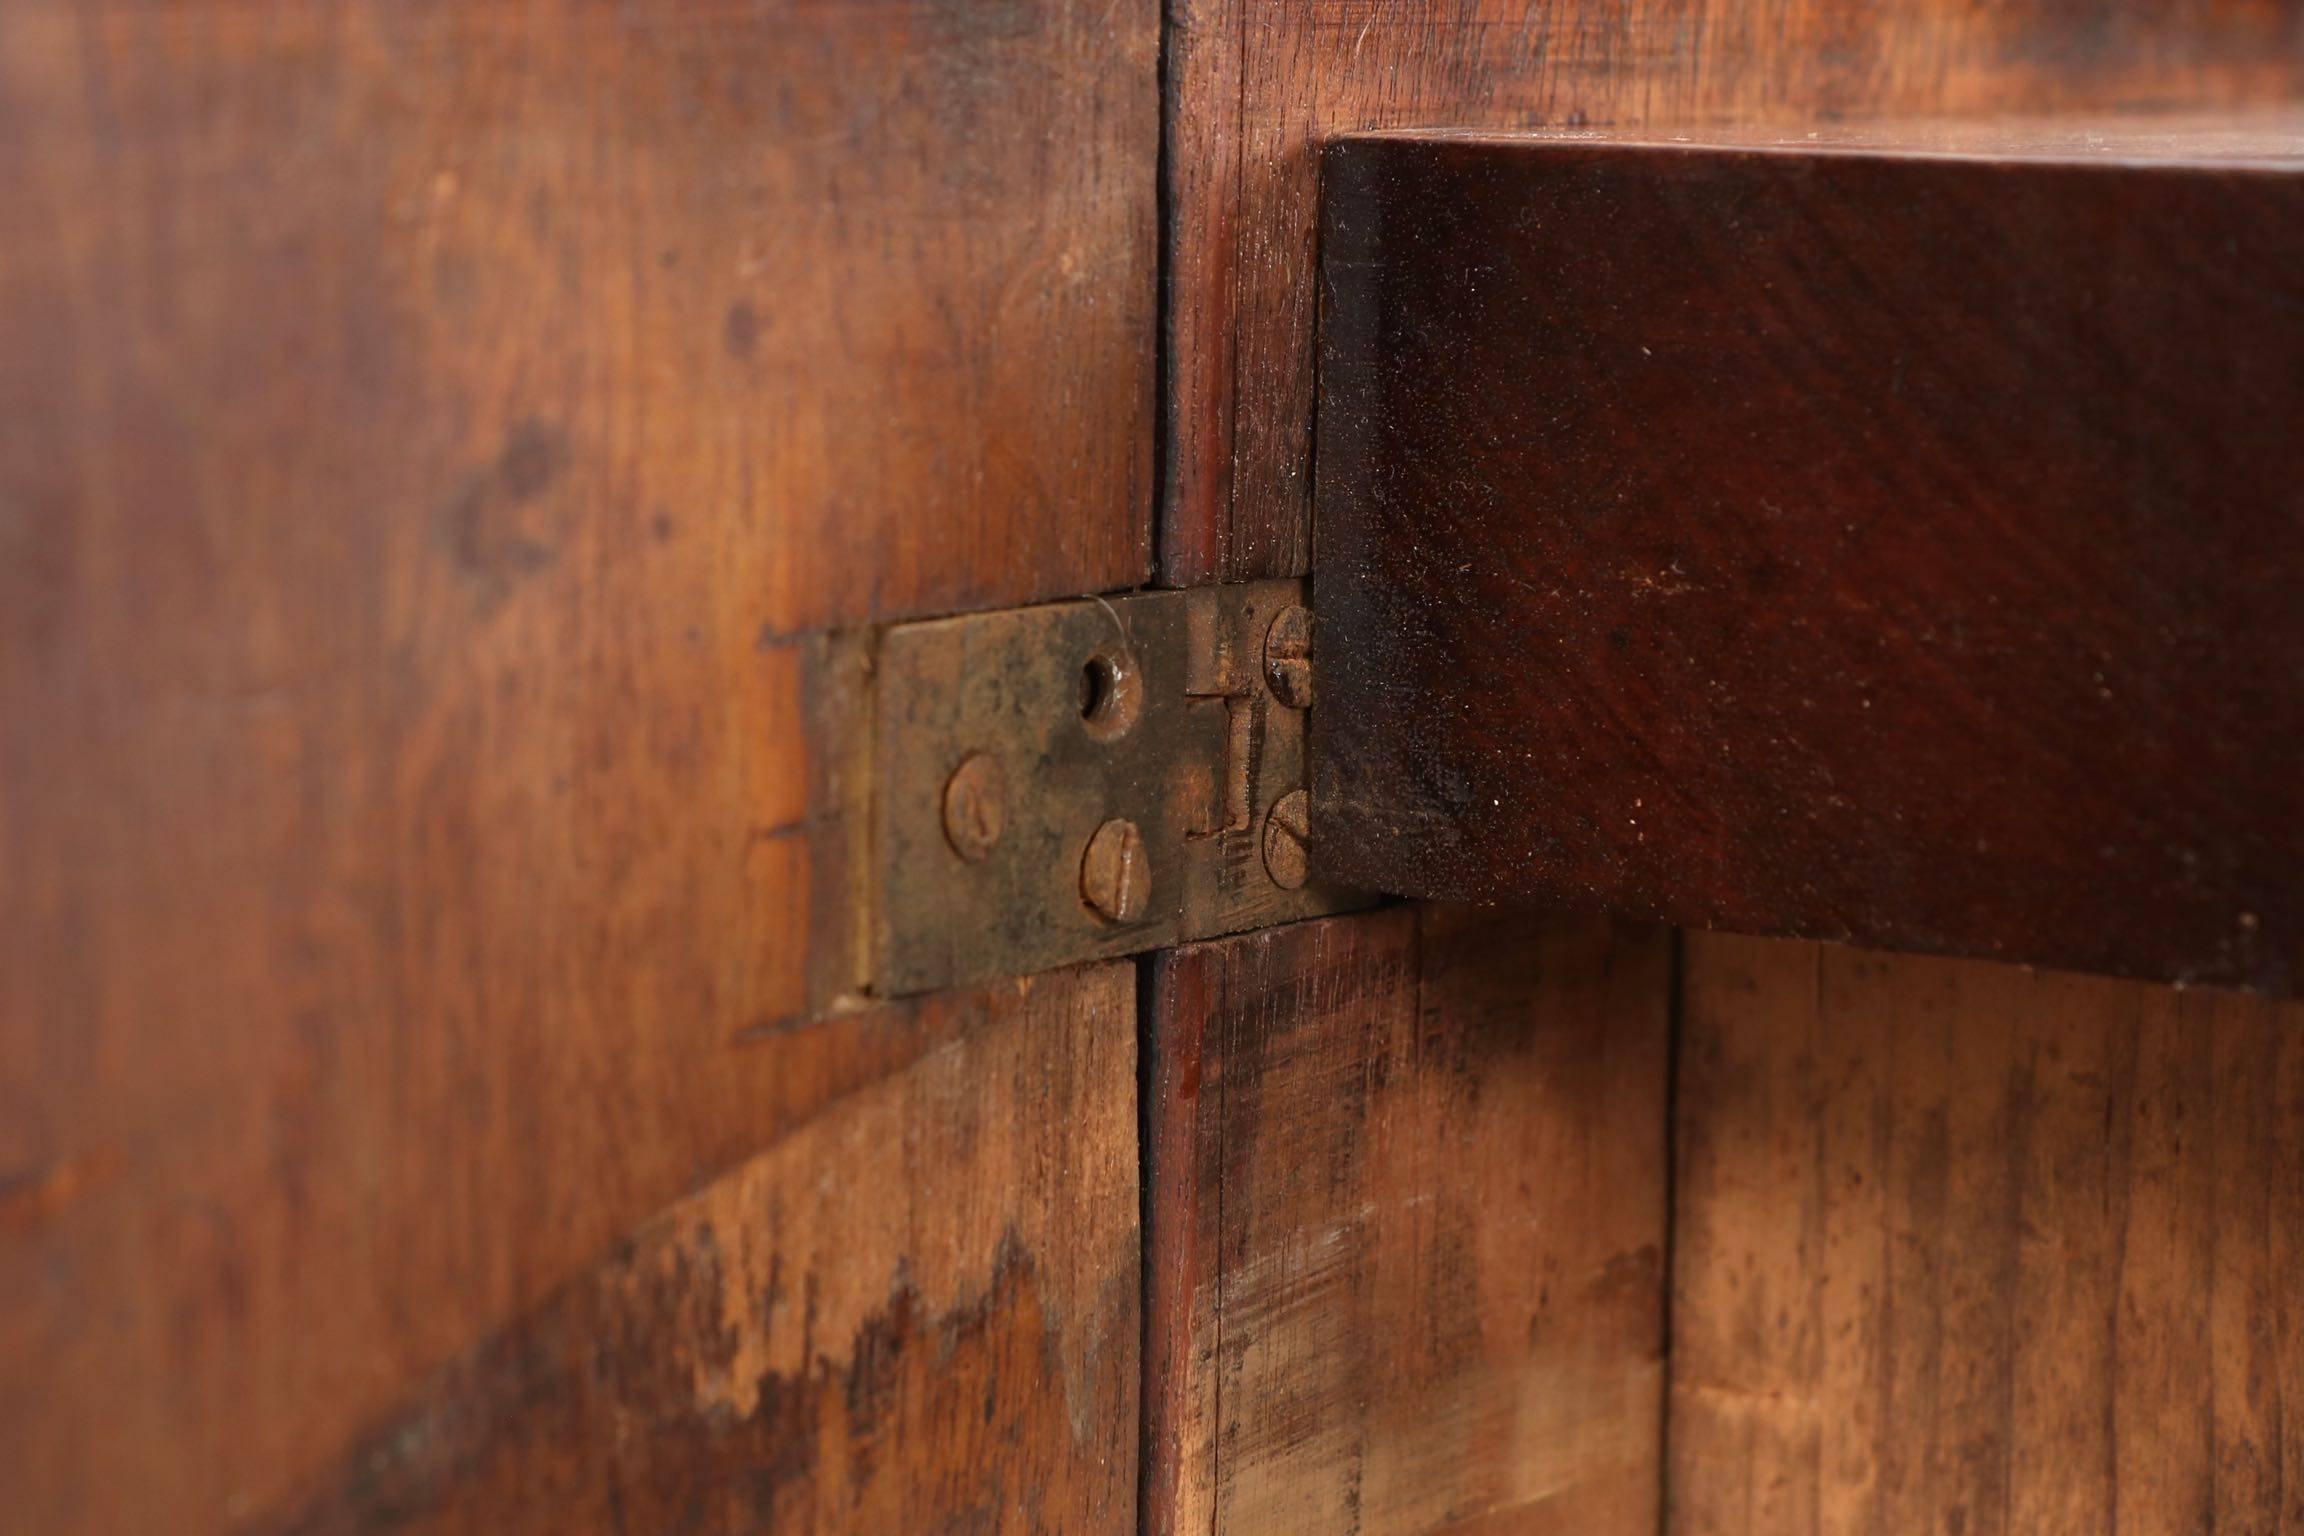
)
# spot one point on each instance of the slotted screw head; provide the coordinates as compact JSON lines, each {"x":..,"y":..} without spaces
{"x":1287,"y":826}
{"x":975,"y":806}
{"x":1115,"y":873}
{"x":1288,"y":657}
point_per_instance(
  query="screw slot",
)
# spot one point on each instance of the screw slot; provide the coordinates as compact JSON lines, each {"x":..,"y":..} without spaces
{"x":1288,"y":657}
{"x":1287,"y":828}
{"x":975,"y":807}
{"x":1115,"y":874}
{"x":1111,"y":694}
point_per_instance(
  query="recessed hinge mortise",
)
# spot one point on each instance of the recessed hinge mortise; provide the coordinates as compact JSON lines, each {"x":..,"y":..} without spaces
{"x":1045,"y":786}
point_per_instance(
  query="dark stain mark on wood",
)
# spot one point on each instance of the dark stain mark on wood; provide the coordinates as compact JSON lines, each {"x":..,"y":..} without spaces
{"x":917,"y":1313}
{"x":494,"y":527}
{"x":597,"y":1394}
{"x":31,"y":1197}
{"x":740,"y":332}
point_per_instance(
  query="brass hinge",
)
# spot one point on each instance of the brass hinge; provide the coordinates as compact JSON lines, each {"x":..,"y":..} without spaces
{"x":1050,"y":785}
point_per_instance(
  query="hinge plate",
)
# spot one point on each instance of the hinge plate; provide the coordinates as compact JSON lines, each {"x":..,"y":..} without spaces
{"x":1003,"y":744}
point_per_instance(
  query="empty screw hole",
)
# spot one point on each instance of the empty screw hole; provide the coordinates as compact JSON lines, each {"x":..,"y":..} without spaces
{"x":1099,"y":682}
{"x":1111,"y":694}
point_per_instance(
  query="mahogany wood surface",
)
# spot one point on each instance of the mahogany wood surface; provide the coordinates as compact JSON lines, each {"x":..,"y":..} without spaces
{"x":1893,"y":545}
{"x":424,"y":428}
{"x":1405,"y":1230}
{"x":1962,"y":1247}
{"x":1256,"y":87}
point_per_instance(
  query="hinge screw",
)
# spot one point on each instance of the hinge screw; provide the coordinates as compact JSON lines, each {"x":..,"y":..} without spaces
{"x":1288,"y":657}
{"x":1286,"y":827}
{"x":975,"y":806}
{"x":1115,"y":874}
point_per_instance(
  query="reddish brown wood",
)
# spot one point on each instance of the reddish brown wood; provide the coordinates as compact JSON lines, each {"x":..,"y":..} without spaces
{"x":1964,"y":1247}
{"x":1899,"y":546}
{"x":423,"y":428}
{"x":1406,"y":1229}
{"x":1255,"y":87}
{"x":916,"y":1312}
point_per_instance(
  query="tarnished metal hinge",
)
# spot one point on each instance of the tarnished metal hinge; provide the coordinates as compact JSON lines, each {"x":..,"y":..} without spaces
{"x":1050,"y":785}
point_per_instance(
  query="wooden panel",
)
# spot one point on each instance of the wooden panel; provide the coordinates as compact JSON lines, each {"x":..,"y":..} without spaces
{"x":1962,"y":1247}
{"x":1255,"y":86}
{"x":423,"y":428}
{"x":1407,"y":1211}
{"x":1899,"y":546}
{"x":916,"y":1312}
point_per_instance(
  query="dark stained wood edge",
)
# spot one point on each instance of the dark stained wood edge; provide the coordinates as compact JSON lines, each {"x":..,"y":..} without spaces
{"x":1199,"y":170}
{"x":1177,"y":1006}
{"x":1866,"y":545}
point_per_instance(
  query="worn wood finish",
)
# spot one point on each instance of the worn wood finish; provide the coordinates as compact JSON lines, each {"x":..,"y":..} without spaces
{"x":1256,"y":86}
{"x":1406,"y":1222}
{"x":1962,"y":1247}
{"x":422,"y":426}
{"x":916,"y":1312}
{"x":1893,"y":546}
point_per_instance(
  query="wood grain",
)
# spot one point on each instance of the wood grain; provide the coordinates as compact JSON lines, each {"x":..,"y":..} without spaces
{"x":1966,"y":1247}
{"x":423,"y":429}
{"x":916,"y":1312}
{"x":1257,"y":87}
{"x":1406,"y":1219}
{"x":1893,"y":544}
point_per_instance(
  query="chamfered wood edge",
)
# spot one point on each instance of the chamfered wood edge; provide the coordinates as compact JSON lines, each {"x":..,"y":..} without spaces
{"x":2265,"y":135}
